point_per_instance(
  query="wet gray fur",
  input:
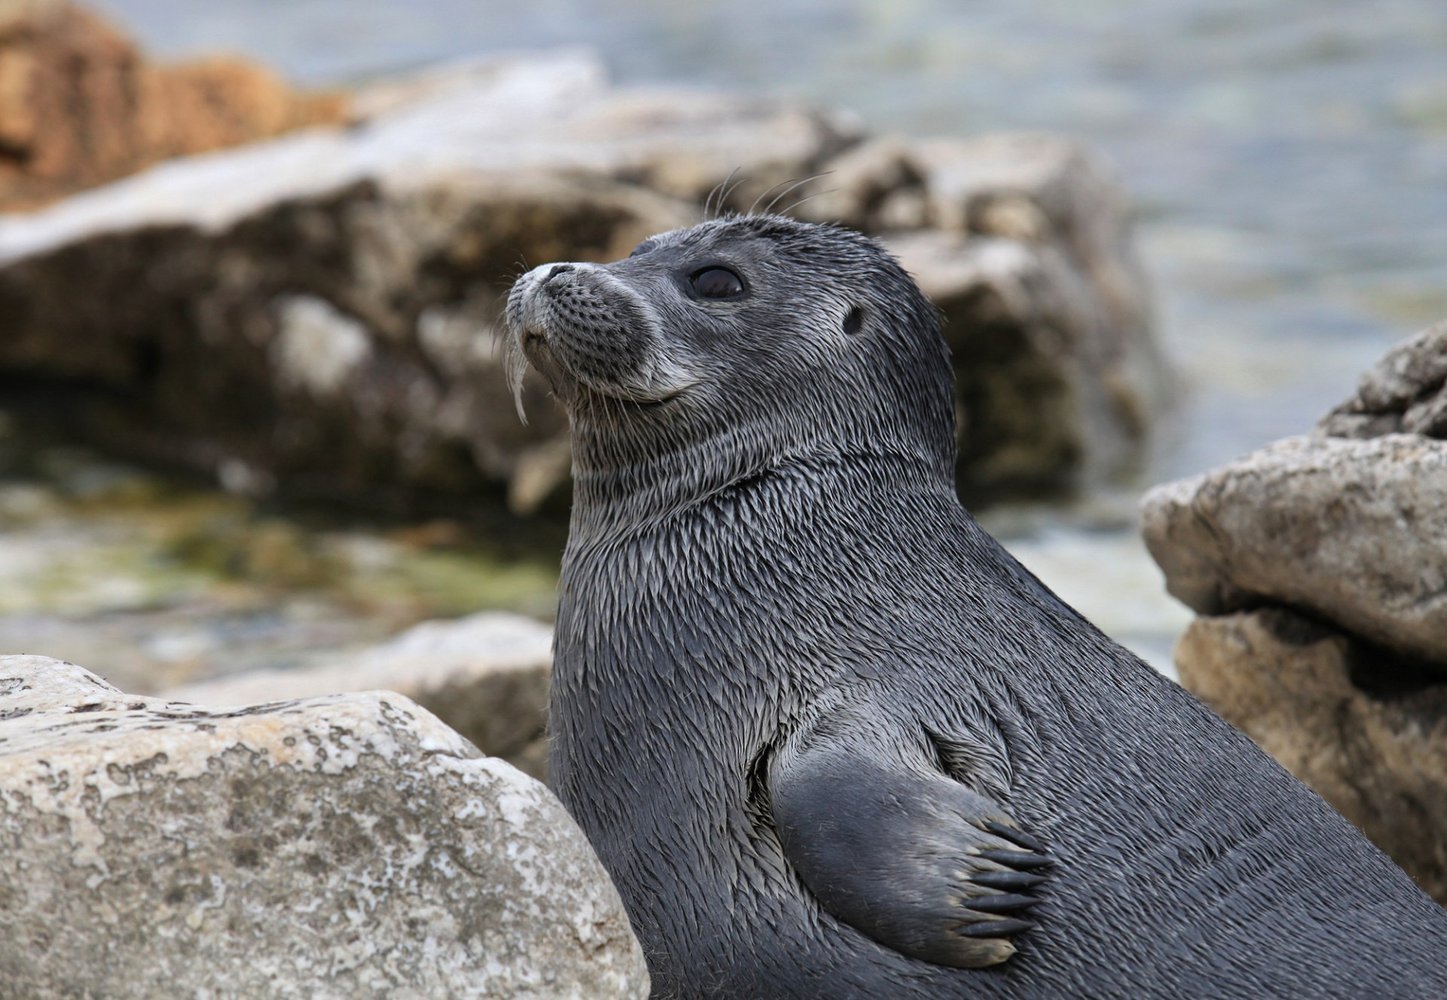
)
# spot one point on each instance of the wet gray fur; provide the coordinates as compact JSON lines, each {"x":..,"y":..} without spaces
{"x":810,"y":714}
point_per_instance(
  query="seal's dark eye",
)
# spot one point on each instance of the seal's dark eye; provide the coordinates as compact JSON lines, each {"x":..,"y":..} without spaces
{"x":717,"y":283}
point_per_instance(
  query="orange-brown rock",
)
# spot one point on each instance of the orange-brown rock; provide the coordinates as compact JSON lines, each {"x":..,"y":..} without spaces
{"x":80,"y":105}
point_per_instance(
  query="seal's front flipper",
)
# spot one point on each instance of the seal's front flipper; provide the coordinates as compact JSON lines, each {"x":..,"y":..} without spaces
{"x":890,"y":844}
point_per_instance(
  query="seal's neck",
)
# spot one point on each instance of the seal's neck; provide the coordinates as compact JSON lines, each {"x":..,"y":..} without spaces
{"x":616,"y":491}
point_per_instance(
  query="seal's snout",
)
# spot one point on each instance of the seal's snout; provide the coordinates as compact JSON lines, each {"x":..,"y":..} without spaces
{"x":524,"y":318}
{"x":587,"y":329}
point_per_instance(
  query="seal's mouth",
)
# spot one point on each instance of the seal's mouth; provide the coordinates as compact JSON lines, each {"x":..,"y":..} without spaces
{"x":644,"y":404}
{"x":593,"y":337}
{"x":533,"y":348}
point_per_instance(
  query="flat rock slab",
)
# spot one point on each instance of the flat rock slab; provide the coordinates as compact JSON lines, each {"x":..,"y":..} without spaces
{"x":1353,"y":530}
{"x":350,"y":846}
{"x":485,"y":676}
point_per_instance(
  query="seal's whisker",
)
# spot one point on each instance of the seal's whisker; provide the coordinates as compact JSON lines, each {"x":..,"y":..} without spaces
{"x":808,"y":197}
{"x":710,"y":210}
{"x":516,"y":368}
{"x":769,"y":208}
{"x":753,"y":209}
{"x":728,"y":191}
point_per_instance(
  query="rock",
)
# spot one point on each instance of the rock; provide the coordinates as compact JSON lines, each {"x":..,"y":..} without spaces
{"x":1047,"y":310}
{"x":1405,"y":392}
{"x":317,"y":314}
{"x":876,"y":186}
{"x":1052,"y":393}
{"x":1085,"y":348}
{"x":1319,"y":565}
{"x":79,"y":104}
{"x":339,"y":345}
{"x":485,"y":676}
{"x":1354,"y":531}
{"x":1366,"y":731}
{"x":349,"y":846}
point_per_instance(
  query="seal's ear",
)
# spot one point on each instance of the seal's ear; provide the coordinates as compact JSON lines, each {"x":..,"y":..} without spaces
{"x":854,"y":321}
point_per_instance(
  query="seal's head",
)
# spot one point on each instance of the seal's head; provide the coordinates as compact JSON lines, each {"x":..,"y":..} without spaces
{"x":713,"y":353}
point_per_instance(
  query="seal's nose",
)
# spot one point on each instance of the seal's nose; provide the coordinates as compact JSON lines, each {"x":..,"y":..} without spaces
{"x":557,"y":270}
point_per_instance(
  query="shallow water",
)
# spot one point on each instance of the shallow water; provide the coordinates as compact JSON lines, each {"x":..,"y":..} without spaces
{"x":1289,"y":160}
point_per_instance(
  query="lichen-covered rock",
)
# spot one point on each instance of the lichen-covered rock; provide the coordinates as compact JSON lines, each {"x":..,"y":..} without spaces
{"x":1352,"y":530}
{"x":80,"y":105}
{"x":349,"y":846}
{"x":1364,"y":729}
{"x":485,"y":676}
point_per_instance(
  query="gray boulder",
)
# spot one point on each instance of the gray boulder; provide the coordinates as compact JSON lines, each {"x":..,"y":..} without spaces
{"x":1348,"y":523}
{"x":349,"y":846}
{"x":1354,"y":531}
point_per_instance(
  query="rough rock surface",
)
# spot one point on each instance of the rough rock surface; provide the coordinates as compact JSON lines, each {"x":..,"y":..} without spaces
{"x":1348,"y":523}
{"x":336,"y":847}
{"x":317,"y":313}
{"x":80,"y":105}
{"x":1365,"y":730}
{"x":1405,"y":392}
{"x":1319,"y":566}
{"x":485,"y":676}
{"x":1354,"y":531}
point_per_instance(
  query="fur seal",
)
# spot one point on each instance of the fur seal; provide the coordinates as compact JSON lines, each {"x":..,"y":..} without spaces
{"x":829,"y":738}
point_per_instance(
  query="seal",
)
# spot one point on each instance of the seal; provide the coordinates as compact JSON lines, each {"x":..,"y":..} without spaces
{"x":829,"y":739}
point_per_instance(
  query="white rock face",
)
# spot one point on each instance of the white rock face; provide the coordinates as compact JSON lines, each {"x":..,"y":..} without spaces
{"x":349,"y":846}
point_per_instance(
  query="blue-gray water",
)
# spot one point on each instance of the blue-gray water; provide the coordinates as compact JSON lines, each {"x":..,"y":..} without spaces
{"x":1289,"y":159}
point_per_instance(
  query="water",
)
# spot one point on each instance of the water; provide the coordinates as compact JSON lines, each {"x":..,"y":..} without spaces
{"x":1289,"y":160}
